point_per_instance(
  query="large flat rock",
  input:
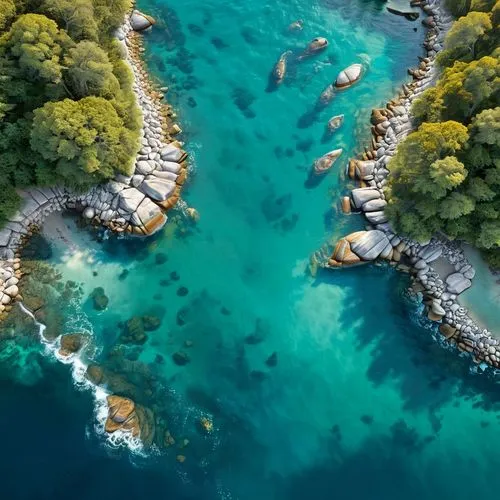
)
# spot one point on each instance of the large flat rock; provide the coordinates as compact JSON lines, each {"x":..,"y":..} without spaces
{"x":151,"y":216}
{"x":157,"y":188}
{"x":130,"y":199}
{"x":171,"y":153}
{"x":361,"y":195}
{"x":368,"y":245}
{"x":456,"y":283}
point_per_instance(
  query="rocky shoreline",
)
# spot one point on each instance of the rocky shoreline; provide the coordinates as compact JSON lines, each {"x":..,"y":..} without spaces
{"x":135,"y":204}
{"x":440,"y":290}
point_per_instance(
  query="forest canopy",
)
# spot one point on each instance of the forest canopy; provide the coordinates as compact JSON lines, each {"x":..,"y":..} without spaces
{"x":445,"y":176}
{"x":68,"y":115}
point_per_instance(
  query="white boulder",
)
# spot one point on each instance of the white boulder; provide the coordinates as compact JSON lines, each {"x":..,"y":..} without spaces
{"x":156,"y":188}
{"x":349,"y":76}
{"x":140,"y":21}
{"x":456,"y":283}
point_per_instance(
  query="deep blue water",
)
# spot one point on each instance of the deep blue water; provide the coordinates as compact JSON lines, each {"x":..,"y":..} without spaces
{"x":362,"y":402}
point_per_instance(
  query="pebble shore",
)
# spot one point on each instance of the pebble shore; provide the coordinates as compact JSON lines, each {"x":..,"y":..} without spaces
{"x":134,"y":204}
{"x":440,"y":294}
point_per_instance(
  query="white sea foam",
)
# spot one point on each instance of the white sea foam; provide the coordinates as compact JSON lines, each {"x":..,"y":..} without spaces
{"x":79,"y":322}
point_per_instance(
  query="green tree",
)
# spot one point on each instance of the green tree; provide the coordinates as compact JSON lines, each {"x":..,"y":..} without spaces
{"x":462,"y":91}
{"x":456,"y":205}
{"x":489,"y":235}
{"x":10,"y":202}
{"x":458,"y":7}
{"x":7,"y":13}
{"x":482,"y":5}
{"x":31,"y":61}
{"x":85,"y":140}
{"x":36,"y":44}
{"x":110,"y":14}
{"x":76,"y":17}
{"x":89,"y":71}
{"x":447,"y":174}
{"x":462,"y":39}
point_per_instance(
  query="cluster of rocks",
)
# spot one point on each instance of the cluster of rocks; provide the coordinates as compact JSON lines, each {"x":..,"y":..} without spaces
{"x":137,"y":203}
{"x":134,"y":204}
{"x":124,"y":415}
{"x":389,"y":126}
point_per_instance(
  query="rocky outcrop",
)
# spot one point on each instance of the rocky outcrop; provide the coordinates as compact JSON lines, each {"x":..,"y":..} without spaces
{"x":124,"y":415}
{"x":135,"y":204}
{"x":360,"y":247}
{"x":440,"y":293}
{"x":71,"y":343}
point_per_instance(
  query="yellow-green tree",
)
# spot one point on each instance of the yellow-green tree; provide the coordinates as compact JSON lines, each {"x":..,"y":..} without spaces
{"x":76,"y":17}
{"x":7,"y":13}
{"x":84,"y":141}
{"x":90,"y":72}
{"x":465,"y":35}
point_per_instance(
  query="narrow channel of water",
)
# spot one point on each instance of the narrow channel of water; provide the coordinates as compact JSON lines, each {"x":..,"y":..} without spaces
{"x":320,"y":387}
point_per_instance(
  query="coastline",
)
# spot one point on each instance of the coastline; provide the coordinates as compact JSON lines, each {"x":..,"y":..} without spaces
{"x":440,"y":271}
{"x":134,"y":204}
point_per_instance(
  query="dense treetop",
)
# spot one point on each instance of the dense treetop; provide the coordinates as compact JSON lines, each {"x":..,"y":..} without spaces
{"x":445,"y":177}
{"x":68,"y":114}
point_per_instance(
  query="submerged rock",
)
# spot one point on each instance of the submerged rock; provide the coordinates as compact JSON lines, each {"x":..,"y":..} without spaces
{"x":272,"y":360}
{"x":161,"y":258}
{"x":133,"y":331}
{"x":180,"y":358}
{"x":99,"y":299}
{"x":151,"y":322}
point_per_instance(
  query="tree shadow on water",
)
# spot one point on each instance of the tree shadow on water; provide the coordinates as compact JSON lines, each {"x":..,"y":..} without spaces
{"x":382,"y":468}
{"x":402,"y":348}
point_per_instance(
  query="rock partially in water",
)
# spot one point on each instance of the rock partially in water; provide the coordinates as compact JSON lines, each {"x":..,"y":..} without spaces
{"x":95,"y":374}
{"x":359,"y":247}
{"x":456,"y":283}
{"x":99,"y":299}
{"x":349,"y":76}
{"x":140,"y":21}
{"x":368,"y":245}
{"x":411,"y":16}
{"x":125,"y":415}
{"x":71,"y":343}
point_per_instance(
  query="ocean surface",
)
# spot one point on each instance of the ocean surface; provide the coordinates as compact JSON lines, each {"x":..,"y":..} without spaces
{"x":324,"y":387}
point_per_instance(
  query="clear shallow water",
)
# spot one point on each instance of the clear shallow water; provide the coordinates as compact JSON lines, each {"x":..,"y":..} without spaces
{"x":483,"y":301}
{"x":362,"y":402}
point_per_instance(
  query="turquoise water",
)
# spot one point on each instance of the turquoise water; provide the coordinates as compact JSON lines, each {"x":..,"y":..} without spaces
{"x":483,"y":301}
{"x":362,"y":402}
